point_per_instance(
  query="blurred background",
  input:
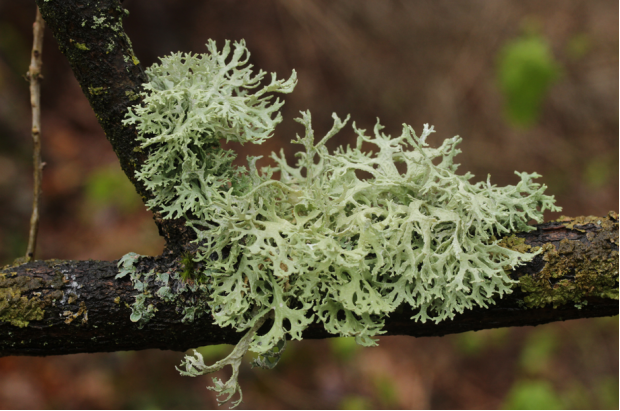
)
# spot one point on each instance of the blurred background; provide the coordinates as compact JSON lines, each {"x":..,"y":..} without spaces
{"x":529,"y":85}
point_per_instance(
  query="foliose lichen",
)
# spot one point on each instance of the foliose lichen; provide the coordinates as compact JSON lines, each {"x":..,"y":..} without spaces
{"x":167,"y":287}
{"x":319,"y":243}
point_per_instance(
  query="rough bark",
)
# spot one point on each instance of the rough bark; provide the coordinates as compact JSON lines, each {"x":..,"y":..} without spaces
{"x":62,"y":307}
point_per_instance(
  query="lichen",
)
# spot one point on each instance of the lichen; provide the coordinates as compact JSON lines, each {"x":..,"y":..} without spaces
{"x":320,"y":242}
{"x":110,"y":46}
{"x":81,"y":46}
{"x":195,"y":366}
{"x":95,"y":91}
{"x":16,"y":307}
{"x":115,"y":25}
{"x":82,"y":311}
{"x":573,"y":223}
{"x":132,"y":96}
{"x":19,"y":310}
{"x":98,"y":21}
{"x":515,"y":243}
{"x":576,"y":270}
{"x":162,"y":288}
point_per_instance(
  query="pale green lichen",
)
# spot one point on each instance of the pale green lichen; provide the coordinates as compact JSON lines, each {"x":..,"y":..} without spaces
{"x":98,"y":21}
{"x":141,"y":312}
{"x":105,"y":22}
{"x":321,"y":242}
{"x":194,"y":366}
{"x":168,"y":288}
{"x":110,"y":46}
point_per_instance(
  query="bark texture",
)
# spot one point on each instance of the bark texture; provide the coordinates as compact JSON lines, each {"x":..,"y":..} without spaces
{"x":63,"y":307}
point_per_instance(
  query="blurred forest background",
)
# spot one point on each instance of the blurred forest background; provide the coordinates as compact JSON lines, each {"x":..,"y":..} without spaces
{"x":529,"y":85}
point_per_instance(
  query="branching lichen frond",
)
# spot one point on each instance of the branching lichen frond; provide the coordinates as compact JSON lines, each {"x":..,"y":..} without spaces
{"x":190,"y":103}
{"x":195,"y":366}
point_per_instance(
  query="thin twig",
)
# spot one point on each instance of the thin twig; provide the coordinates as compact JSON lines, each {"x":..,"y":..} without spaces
{"x":34,"y":76}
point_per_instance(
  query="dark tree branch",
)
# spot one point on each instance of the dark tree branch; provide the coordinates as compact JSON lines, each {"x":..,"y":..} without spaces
{"x":103,"y":62}
{"x":62,"y":307}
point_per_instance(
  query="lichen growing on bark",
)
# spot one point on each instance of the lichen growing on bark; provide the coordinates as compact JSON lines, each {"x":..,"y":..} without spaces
{"x":320,"y":242}
{"x":515,"y":243}
{"x":16,"y":307}
{"x":576,"y":270}
{"x":168,"y":287}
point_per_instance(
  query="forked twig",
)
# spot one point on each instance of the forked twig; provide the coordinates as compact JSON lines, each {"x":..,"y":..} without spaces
{"x":34,"y":76}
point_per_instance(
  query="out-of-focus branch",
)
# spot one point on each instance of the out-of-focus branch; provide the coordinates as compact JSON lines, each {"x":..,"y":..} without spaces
{"x":34,"y":76}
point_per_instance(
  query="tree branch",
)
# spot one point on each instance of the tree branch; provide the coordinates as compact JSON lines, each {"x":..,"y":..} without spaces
{"x":63,"y":307}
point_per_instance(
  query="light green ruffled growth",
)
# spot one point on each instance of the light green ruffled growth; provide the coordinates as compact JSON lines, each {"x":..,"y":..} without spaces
{"x":189,"y":104}
{"x":321,"y":243}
